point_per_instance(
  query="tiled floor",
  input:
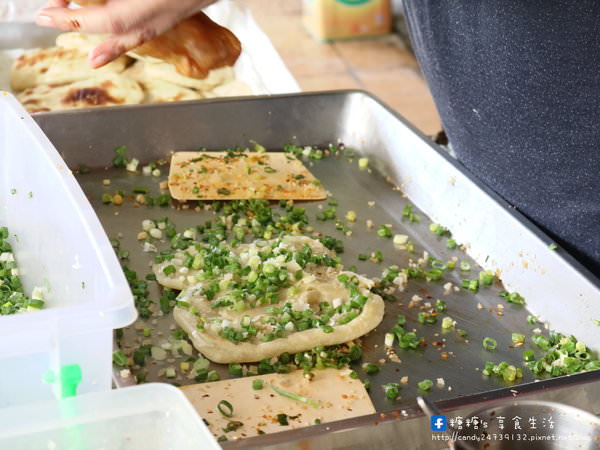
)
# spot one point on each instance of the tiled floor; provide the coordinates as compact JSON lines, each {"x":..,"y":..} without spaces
{"x":383,"y":66}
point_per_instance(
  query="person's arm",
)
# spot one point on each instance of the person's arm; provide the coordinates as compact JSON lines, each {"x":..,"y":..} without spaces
{"x":130,"y":23}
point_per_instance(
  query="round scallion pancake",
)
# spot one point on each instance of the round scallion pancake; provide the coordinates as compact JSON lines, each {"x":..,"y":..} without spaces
{"x":263,"y":299}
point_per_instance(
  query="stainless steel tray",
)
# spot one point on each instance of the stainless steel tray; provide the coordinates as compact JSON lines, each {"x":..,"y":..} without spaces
{"x":498,"y":237}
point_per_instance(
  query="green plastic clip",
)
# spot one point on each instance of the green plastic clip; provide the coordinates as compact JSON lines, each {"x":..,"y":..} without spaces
{"x":68,"y":378}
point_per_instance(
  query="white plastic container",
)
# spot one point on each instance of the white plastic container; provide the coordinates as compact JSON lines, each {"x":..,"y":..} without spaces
{"x":58,"y":243}
{"x":152,"y":416}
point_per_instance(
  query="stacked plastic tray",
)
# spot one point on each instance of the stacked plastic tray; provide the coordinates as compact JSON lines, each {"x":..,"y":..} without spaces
{"x":46,"y":355}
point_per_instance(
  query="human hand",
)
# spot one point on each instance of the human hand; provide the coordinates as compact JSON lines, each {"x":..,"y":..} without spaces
{"x":130,"y":23}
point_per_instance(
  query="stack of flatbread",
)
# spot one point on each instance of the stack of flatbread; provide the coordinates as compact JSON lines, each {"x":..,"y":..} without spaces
{"x":59,"y":78}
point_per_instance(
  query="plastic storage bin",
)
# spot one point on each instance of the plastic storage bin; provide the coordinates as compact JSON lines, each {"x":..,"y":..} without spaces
{"x":58,"y":243}
{"x":152,"y":416}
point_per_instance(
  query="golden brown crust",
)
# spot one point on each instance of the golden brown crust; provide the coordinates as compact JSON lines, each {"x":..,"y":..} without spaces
{"x":213,"y":47}
{"x":222,"y":351}
{"x":103,"y":90}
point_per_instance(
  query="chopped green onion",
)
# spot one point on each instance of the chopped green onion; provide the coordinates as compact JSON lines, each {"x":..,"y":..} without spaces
{"x":528,"y":356}
{"x":552,"y":246}
{"x":488,"y":369}
{"x":448,"y":323}
{"x":233,"y":425}
{"x":531,"y":320}
{"x":213,"y":375}
{"x":140,"y":190}
{"x":486,"y":277}
{"x":465,"y":266}
{"x":327,"y":329}
{"x":384,"y":232}
{"x":377,"y":256}
{"x":441,"y":305}
{"x":391,"y":390}
{"x":510,"y":373}
{"x":258,"y":148}
{"x":235,"y":369}
{"x":462,"y":333}
{"x":282,"y":419}
{"x":225,"y":408}
{"x":351,"y":216}
{"x":542,"y":342}
{"x":120,"y":160}
{"x":512,"y":297}
{"x":435,"y":274}
{"x":451,"y":244}
{"x":298,"y":398}
{"x":439,"y":230}
{"x":490,"y":344}
{"x":426,"y":318}
{"x":370,"y":368}
{"x":408,"y":340}
{"x":169,"y":270}
{"x":400,"y":239}
{"x":425,"y":385}
{"x":389,"y":339}
{"x":518,"y":339}
{"x":471,"y":285}
{"x":258,"y":384}
{"x":119,"y":358}
{"x":363,"y":163}
{"x":407,"y":213}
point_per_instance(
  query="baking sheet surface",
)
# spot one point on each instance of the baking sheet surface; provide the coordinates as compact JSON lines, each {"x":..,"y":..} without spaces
{"x":353,"y":189}
{"x":435,"y":183}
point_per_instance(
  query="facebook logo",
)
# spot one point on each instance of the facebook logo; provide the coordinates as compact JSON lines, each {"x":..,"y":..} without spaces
{"x":438,"y":423}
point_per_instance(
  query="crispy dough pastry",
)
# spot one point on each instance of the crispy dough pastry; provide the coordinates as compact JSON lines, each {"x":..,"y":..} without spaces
{"x":101,"y":90}
{"x":161,"y":70}
{"x":157,"y":90}
{"x":56,"y":65}
{"x":194,"y":46}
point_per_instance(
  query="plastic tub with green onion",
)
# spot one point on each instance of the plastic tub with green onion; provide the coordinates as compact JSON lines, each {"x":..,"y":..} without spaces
{"x":59,"y":244}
